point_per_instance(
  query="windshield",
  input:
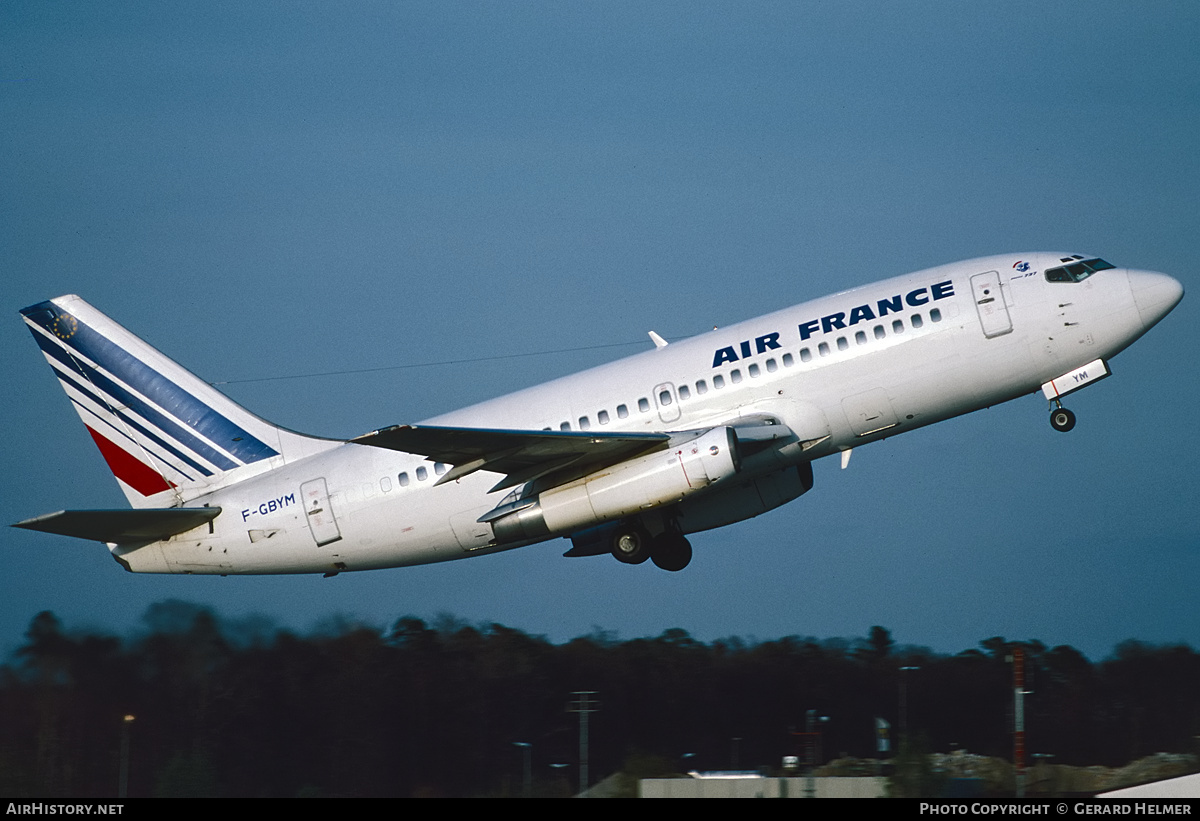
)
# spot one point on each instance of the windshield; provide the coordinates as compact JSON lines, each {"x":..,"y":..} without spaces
{"x":1077,"y":271}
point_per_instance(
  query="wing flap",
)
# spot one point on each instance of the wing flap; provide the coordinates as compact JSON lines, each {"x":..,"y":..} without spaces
{"x":519,"y":454}
{"x":122,"y":526}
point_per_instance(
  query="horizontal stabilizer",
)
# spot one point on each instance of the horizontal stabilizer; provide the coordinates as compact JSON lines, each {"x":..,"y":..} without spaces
{"x":122,"y":526}
{"x":520,"y":454}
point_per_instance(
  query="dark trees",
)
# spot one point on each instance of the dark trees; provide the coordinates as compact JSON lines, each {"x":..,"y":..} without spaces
{"x":425,"y":709}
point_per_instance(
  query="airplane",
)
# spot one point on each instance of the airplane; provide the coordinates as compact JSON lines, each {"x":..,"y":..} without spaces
{"x":627,"y":458}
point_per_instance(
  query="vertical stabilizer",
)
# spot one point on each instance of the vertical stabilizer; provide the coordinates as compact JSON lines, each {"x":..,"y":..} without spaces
{"x":167,"y":435}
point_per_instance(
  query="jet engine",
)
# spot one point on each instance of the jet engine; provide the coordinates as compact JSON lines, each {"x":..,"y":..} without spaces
{"x":633,"y":486}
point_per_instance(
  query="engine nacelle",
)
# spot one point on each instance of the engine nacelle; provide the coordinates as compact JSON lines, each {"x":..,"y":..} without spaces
{"x":738,"y":501}
{"x":663,"y":477}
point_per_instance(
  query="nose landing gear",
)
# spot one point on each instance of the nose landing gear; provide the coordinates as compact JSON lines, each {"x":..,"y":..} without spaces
{"x":1061,"y":419}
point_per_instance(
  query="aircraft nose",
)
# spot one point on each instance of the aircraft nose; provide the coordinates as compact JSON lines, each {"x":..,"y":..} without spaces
{"x":1154,"y":294}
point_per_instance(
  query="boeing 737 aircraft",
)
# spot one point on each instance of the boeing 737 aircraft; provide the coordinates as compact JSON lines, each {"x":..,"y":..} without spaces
{"x":626,"y":458}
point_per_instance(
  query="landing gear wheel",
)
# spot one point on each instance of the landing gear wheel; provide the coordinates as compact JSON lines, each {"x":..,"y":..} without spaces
{"x":671,"y":552}
{"x":631,"y":545}
{"x":1062,"y":419}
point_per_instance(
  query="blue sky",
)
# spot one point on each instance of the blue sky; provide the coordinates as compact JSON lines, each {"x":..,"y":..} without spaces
{"x":311,"y":188}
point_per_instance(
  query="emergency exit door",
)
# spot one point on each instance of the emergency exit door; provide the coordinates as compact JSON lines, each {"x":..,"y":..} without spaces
{"x":319,"y":512}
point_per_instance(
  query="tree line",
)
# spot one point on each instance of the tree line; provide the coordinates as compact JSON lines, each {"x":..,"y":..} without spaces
{"x":195,"y":706}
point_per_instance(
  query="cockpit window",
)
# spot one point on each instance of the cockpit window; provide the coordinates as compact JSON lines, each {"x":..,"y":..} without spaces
{"x":1077,"y":271}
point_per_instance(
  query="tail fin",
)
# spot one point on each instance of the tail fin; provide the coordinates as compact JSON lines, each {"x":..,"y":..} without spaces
{"x":167,"y":435}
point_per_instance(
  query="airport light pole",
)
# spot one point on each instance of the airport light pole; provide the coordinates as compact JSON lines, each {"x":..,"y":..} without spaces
{"x":904,"y":703}
{"x":585,"y":706}
{"x":560,"y":779}
{"x":1018,"y":660}
{"x":527,"y":749}
{"x":123,"y":775}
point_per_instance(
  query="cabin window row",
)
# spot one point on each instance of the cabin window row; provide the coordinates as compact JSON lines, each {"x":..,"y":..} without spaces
{"x":422,"y":473}
{"x":878,"y":332}
{"x":603,"y":417}
{"x":754,"y":370}
{"x":666,"y":398}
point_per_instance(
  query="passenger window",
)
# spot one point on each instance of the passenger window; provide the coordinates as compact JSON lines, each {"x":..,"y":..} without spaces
{"x":685,"y":392}
{"x":701,"y":387}
{"x":422,"y":473}
{"x":823,"y":349}
{"x":898,"y":327}
{"x":664,"y":398}
{"x":565,"y":426}
{"x":916,"y":320}
{"x":771,"y":366}
{"x":753,"y":369}
{"x":603,"y":417}
{"x":805,"y":355}
{"x":788,"y":360}
{"x":622,"y":412}
{"x":718,"y":381}
{"x":880,"y":333}
{"x":439,"y":468}
{"x":735,"y":376}
{"x":644,"y":404}
{"x":403,"y":480}
{"x":935,"y":315}
{"x":584,"y":424}
{"x":842,"y":343}
{"x":860,"y":337}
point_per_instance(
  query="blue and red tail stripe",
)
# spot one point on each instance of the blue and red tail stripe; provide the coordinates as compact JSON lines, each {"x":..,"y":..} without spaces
{"x":155,"y":409}
{"x":130,"y":470}
{"x":99,"y":422}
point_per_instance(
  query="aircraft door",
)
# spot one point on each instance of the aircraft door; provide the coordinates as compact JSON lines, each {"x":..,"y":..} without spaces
{"x":319,"y":512}
{"x":989,"y":301}
{"x":667,"y":401}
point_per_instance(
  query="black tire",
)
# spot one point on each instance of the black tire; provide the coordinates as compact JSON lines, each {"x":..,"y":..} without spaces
{"x":1062,"y":419}
{"x":672,"y":552}
{"x":631,"y":545}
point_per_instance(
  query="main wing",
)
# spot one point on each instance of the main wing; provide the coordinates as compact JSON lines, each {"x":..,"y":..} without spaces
{"x":522,"y":456}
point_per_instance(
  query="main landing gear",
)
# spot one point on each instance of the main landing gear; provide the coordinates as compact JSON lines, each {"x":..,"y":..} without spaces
{"x":1061,"y":419}
{"x":671,"y":551}
{"x":633,"y":545}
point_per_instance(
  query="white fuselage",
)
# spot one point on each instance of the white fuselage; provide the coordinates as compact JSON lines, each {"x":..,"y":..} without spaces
{"x":840,"y":372}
